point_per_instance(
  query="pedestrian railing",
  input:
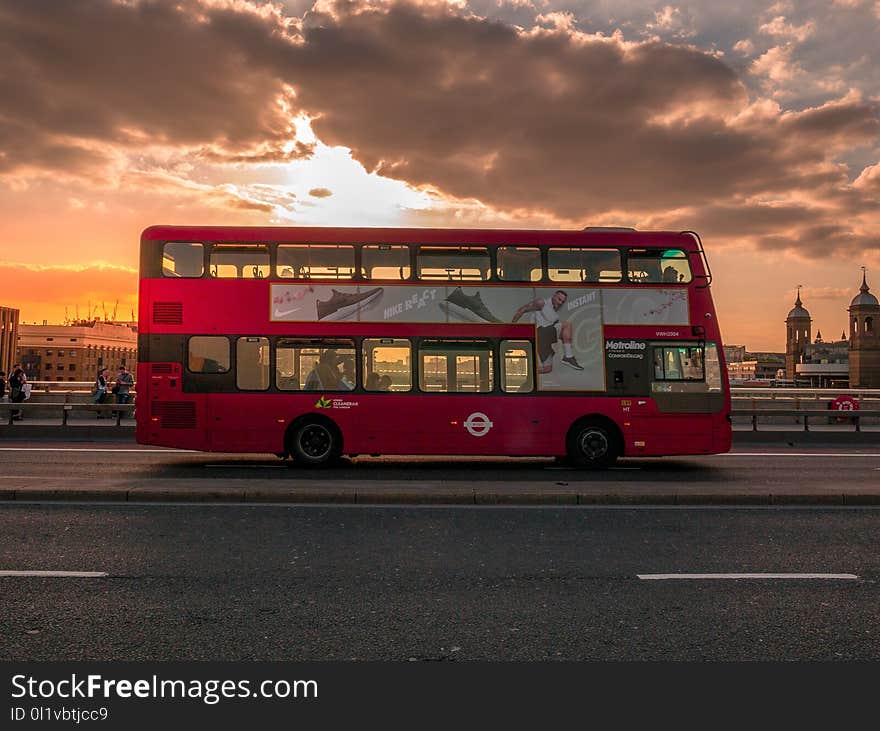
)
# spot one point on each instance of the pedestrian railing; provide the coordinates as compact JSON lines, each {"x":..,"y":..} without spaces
{"x":853,"y":417}
{"x":27,"y":410}
{"x":118,"y":412}
{"x":67,"y":386}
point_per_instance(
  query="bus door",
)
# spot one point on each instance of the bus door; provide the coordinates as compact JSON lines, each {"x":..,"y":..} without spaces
{"x":388,"y":423}
{"x":478,"y":416}
{"x":687,"y":391}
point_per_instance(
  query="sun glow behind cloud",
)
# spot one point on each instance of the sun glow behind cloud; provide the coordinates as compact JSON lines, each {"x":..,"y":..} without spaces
{"x":357,"y":198}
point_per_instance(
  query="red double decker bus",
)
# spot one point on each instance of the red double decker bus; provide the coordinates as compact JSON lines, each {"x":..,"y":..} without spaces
{"x":319,"y":342}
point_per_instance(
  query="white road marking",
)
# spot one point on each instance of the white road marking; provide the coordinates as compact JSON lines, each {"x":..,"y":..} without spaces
{"x":58,"y":574}
{"x":668,"y":577}
{"x":249,"y":466}
{"x":795,"y":454}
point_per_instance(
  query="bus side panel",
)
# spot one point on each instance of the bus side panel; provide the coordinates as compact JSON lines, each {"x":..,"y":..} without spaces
{"x":668,"y":434}
{"x":490,"y":424}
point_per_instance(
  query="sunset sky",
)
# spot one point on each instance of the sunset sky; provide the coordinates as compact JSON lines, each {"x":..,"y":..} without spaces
{"x":756,"y":125}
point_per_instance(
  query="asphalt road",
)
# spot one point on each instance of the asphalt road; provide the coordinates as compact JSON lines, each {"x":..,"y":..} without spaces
{"x":240,"y":582}
{"x":125,"y":464}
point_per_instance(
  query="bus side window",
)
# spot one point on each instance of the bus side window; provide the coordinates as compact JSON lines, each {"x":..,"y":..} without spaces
{"x":583,"y":265}
{"x":517,"y":366}
{"x":208,"y":354}
{"x":315,"y":261}
{"x":387,"y":364}
{"x":602,"y":265}
{"x":456,"y":367}
{"x":678,"y":363}
{"x":252,"y":363}
{"x":314,"y":365}
{"x":656,"y":266}
{"x":453,"y":263}
{"x":385,"y":261}
{"x":519,"y":264}
{"x":181,"y":259}
{"x":240,"y":261}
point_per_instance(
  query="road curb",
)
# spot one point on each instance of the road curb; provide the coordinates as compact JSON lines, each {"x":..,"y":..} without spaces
{"x":146,"y":495}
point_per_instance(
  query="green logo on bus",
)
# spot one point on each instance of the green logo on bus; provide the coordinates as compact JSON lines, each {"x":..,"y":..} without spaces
{"x":322,"y":403}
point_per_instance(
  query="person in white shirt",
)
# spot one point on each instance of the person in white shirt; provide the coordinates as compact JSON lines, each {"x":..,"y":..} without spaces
{"x":550,"y":329}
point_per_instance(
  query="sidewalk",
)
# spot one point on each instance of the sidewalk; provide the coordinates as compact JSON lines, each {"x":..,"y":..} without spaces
{"x":106,"y":429}
{"x":672,"y":481}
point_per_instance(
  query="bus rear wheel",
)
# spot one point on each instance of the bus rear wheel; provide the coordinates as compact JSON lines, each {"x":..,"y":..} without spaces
{"x":593,"y":445}
{"x":315,"y":442}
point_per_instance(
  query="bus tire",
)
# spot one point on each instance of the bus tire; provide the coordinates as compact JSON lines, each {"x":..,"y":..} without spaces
{"x":593,"y":444}
{"x":315,"y":441}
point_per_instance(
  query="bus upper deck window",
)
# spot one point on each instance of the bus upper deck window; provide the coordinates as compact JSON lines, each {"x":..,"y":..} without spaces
{"x":519,"y":264}
{"x":659,"y":266}
{"x":453,"y":263}
{"x":240,"y":261}
{"x":584,"y":265}
{"x":385,"y":261}
{"x":180,"y":259}
{"x":315,"y":261}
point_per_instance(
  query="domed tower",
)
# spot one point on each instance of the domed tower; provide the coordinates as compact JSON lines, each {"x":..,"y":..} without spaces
{"x":864,"y":338}
{"x":797,"y":335}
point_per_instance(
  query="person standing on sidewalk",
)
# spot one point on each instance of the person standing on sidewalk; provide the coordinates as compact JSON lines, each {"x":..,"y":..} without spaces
{"x":2,"y":385}
{"x":17,"y":380}
{"x":101,"y":389}
{"x":124,"y":384}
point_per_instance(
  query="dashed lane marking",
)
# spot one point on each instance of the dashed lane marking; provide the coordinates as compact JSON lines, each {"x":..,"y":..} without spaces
{"x":675,"y":577}
{"x":58,"y":574}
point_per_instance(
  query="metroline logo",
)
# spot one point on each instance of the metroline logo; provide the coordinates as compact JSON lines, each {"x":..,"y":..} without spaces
{"x":625,"y":345}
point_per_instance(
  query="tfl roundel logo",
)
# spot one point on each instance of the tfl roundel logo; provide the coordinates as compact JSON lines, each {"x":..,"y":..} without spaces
{"x":478,"y":424}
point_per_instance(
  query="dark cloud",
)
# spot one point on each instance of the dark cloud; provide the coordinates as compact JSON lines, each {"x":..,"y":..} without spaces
{"x":553,"y":120}
{"x":320,"y":192}
{"x":79,"y":77}
{"x":543,"y":122}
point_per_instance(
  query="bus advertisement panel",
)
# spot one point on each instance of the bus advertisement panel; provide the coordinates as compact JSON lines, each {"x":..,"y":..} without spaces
{"x":572,"y":316}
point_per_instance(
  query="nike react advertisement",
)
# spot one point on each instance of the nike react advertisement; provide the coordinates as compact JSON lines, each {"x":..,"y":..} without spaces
{"x":568,"y":320}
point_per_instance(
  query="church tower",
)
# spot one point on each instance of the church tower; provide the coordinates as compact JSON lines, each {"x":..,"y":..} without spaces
{"x":797,"y":336}
{"x":864,"y":338}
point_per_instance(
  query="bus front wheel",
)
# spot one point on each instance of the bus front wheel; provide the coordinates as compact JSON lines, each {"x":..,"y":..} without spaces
{"x":593,"y":445}
{"x":315,"y":442}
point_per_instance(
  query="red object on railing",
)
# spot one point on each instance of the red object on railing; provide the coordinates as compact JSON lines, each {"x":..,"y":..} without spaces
{"x":844,"y":403}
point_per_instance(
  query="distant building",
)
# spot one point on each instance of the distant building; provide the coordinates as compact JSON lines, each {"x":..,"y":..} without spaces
{"x":853,"y":361}
{"x":743,"y":366}
{"x":864,"y":340}
{"x":8,"y":337}
{"x":824,"y":364}
{"x":798,"y":325}
{"x":734,"y":353}
{"x":77,"y":351}
{"x":755,"y":367}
